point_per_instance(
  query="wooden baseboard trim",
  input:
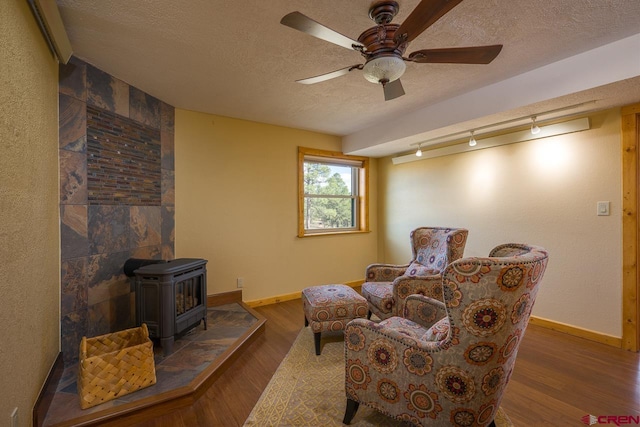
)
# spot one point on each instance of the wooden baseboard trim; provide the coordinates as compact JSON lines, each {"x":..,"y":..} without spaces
{"x":293,"y":295}
{"x":534,"y":320}
{"x":577,"y":331}
{"x":224,"y":298}
{"x":48,"y":391}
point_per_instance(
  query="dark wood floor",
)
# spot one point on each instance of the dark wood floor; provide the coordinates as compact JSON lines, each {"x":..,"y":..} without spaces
{"x":557,"y":380}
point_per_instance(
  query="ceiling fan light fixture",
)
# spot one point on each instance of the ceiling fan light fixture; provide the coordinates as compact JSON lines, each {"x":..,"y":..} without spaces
{"x":387,"y":68}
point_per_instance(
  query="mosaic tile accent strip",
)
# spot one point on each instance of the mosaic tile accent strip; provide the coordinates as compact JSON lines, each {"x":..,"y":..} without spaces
{"x":123,"y":163}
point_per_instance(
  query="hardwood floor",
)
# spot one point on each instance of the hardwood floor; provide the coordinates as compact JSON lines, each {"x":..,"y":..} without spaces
{"x":557,"y":379}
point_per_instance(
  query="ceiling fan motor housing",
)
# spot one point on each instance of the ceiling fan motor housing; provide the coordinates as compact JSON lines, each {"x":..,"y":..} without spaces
{"x":384,"y":56}
{"x":383,"y":12}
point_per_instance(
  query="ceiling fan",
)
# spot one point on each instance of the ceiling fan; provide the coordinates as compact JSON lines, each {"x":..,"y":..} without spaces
{"x":383,"y":46}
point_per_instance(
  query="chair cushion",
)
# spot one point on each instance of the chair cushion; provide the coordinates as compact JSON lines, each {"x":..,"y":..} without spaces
{"x":411,"y":329}
{"x":379,"y":294}
{"x":406,"y":327}
{"x":417,"y":269}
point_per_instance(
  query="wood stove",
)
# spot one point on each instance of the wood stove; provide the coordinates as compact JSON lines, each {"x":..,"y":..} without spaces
{"x":171,"y":297}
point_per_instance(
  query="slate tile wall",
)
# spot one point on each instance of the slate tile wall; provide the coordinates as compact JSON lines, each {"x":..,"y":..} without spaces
{"x":116,"y":197}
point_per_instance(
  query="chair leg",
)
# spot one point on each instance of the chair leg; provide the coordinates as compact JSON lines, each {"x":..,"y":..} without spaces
{"x":306,"y":321}
{"x":369,"y":315}
{"x":316,"y":339}
{"x":350,"y":412}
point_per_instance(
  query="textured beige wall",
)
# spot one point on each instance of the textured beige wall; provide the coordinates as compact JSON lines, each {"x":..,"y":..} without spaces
{"x":29,"y":235}
{"x":236,"y":205}
{"x":541,"y":192}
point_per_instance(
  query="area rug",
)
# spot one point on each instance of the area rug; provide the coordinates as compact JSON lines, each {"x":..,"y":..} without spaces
{"x":308,"y":390}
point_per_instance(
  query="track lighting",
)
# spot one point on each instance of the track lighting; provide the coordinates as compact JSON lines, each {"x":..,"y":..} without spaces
{"x":517,"y":134}
{"x":534,"y":127}
{"x":472,"y":140}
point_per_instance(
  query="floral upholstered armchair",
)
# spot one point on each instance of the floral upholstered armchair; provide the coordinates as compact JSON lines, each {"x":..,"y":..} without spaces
{"x":387,"y":286}
{"x":447,"y":363}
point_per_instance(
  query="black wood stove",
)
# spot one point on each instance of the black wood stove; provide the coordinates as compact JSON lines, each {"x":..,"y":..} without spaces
{"x":171,"y":297}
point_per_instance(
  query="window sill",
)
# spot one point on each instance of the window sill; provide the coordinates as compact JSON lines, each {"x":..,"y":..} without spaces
{"x":334,"y":233}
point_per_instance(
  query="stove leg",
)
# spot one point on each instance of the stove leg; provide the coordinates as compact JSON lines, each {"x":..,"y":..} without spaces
{"x":167,"y":345}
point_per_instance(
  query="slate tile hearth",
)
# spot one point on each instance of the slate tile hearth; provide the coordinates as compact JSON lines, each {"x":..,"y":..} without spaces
{"x":193,"y":353}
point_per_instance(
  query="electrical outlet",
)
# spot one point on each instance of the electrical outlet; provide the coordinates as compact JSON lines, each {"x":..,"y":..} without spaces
{"x":14,"y":418}
{"x":240,"y":282}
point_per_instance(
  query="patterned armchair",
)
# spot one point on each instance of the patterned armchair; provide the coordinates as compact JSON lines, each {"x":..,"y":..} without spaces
{"x":387,"y":286}
{"x":447,"y":363}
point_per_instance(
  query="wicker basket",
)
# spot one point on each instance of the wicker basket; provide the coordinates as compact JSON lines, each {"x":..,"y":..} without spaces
{"x":115,"y":364}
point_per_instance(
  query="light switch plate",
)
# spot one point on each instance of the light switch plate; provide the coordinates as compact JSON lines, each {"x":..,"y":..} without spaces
{"x":603,"y":208}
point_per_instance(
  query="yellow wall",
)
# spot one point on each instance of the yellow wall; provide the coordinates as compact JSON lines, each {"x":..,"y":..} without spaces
{"x":540,"y":192}
{"x":236,"y":205}
{"x":29,"y":229}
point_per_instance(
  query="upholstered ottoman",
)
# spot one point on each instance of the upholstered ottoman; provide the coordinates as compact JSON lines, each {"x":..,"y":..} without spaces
{"x":330,"y":308}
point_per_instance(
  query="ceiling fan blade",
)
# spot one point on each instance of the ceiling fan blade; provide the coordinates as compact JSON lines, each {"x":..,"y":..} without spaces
{"x":393,"y":90}
{"x":426,"y":13}
{"x":300,"y":22}
{"x":328,"y":76}
{"x":457,"y":55}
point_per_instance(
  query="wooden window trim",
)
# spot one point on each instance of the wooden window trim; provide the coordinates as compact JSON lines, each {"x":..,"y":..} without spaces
{"x":363,"y":190}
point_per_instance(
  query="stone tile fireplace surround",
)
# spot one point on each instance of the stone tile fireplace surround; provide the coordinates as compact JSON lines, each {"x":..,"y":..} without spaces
{"x":116,"y":197}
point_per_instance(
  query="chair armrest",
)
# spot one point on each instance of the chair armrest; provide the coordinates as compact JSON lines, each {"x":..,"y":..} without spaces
{"x":384,"y":272}
{"x":423,"y":310}
{"x":404,"y":286}
{"x":373,"y":330}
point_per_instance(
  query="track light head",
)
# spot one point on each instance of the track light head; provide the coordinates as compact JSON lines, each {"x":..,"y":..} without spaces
{"x":472,"y":140}
{"x":534,"y":127}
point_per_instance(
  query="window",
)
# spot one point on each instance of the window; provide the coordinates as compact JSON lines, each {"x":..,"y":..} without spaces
{"x":333,"y":190}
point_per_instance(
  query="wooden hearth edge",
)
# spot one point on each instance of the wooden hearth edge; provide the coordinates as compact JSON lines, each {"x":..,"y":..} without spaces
{"x":135,"y":412}
{"x":48,"y":390}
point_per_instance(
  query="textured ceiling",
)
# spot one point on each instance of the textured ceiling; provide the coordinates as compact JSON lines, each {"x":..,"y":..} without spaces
{"x":234,"y":58}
